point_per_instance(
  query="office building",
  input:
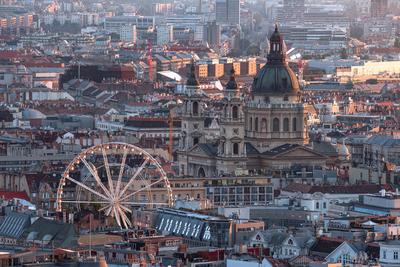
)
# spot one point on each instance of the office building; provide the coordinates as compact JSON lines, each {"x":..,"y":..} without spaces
{"x":379,"y":8}
{"x":212,"y":34}
{"x":165,"y":34}
{"x":128,"y":33}
{"x":227,"y":12}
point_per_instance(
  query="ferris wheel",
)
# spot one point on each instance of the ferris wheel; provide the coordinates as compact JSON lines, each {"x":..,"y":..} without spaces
{"x":116,"y":178}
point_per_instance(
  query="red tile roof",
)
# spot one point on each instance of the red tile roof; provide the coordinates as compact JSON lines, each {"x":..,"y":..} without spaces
{"x":7,"y":195}
{"x":337,"y":189}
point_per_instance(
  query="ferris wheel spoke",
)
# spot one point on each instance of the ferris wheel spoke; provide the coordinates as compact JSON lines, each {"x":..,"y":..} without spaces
{"x":96,"y":176}
{"x":107,"y":167}
{"x":87,"y":188}
{"x":121,"y":172}
{"x":122,"y":215}
{"x":116,"y":216}
{"x":104,"y":208}
{"x":125,"y":209}
{"x":132,"y":179}
{"x":109,"y":210}
{"x":142,"y":203}
{"x":126,"y":221}
{"x":141,"y":189}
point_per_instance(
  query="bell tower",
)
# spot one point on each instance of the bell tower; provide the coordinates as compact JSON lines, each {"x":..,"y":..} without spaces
{"x":192,"y":113}
{"x":231,"y":148}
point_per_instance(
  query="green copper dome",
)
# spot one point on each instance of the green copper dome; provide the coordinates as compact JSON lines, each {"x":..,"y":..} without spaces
{"x":276,"y":77}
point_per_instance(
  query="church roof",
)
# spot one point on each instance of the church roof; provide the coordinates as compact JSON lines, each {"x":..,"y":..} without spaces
{"x":276,"y":77}
{"x":280,"y":149}
{"x":192,"y":79}
{"x":251,"y":150}
{"x":232,"y":84}
{"x":209,"y":149}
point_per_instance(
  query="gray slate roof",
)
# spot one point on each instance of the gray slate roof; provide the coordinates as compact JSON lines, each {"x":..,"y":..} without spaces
{"x":62,"y":234}
{"x":14,"y":225}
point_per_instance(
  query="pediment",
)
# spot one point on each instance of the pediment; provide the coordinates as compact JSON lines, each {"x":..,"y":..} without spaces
{"x":299,"y":152}
{"x":197,"y":150}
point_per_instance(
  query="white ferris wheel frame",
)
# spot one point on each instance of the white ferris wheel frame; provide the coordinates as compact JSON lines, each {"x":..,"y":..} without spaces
{"x":115,"y":199}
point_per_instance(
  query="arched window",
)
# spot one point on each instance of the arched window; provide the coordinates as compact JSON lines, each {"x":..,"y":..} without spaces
{"x":201,"y":172}
{"x":264,"y":125}
{"x":286,"y":124}
{"x":294,"y":125}
{"x":256,"y":124}
{"x":290,"y":242}
{"x":317,"y":205}
{"x":195,"y":108}
{"x":251,"y":124}
{"x":235,"y":149}
{"x":235,"y":112}
{"x":275,"y":125}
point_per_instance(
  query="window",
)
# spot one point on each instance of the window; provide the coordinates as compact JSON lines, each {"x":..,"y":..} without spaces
{"x":346,"y":258}
{"x":235,"y":112}
{"x":290,"y":242}
{"x":256,"y":124}
{"x":317,"y":205}
{"x":384,"y":254}
{"x":251,"y":124}
{"x":195,"y":108}
{"x":324,"y":205}
{"x":201,"y":173}
{"x":285,"y":98}
{"x":235,"y":148}
{"x":275,"y":125}
{"x":286,"y":124}
{"x":195,"y":141}
{"x":264,"y":125}
{"x":395,"y":255}
{"x":294,"y":125}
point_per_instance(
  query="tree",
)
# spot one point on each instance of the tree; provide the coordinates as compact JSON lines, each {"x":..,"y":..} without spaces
{"x":253,"y":50}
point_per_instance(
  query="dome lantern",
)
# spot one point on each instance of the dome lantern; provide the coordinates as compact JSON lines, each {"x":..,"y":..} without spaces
{"x":276,"y":78}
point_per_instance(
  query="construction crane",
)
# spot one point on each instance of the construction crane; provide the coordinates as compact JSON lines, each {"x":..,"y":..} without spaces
{"x":150,"y":59}
{"x":171,"y":134}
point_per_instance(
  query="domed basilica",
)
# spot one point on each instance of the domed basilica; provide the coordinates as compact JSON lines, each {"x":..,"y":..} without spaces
{"x":258,"y":134}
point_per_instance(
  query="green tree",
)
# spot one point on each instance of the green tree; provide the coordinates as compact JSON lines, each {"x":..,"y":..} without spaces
{"x":253,"y":50}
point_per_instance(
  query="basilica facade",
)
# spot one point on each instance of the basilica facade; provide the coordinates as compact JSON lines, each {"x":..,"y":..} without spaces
{"x":259,"y":133}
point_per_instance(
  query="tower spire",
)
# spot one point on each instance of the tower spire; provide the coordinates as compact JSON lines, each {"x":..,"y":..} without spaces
{"x":277,"y":53}
{"x":192,"y":78}
{"x":232,"y":84}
